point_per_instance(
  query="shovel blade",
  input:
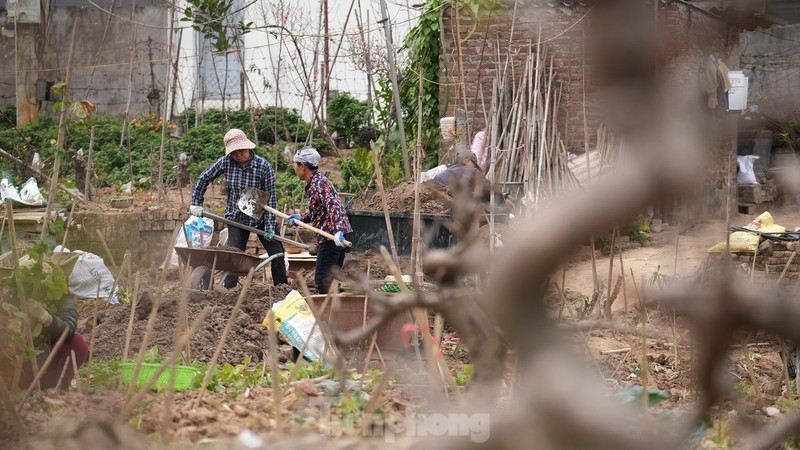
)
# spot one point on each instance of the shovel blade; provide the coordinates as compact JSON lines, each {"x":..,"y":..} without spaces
{"x":251,"y":202}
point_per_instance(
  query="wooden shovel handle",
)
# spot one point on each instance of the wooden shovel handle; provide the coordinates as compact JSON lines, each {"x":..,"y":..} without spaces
{"x":253,"y":230}
{"x":306,"y":226}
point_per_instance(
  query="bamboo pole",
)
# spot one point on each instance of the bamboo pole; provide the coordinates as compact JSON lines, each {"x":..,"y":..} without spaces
{"x":40,"y":371}
{"x":379,"y":181}
{"x":169,"y":361}
{"x":126,"y":121}
{"x":395,"y":90}
{"x":87,"y":186}
{"x":21,"y":297}
{"x":62,"y":135}
{"x":66,"y":228}
{"x":134,"y":302}
{"x":610,"y":273}
{"x":105,"y":247}
{"x":212,"y":365}
{"x":16,"y":421}
{"x":153,"y":312}
{"x":94,"y":324}
{"x":416,"y":261}
{"x":165,"y":120}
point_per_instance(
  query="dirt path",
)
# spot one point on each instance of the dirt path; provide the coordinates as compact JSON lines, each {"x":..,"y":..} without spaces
{"x":659,"y":256}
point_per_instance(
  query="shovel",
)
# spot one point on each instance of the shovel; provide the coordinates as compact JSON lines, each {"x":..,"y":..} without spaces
{"x":254,"y":202}
{"x":253,"y":230}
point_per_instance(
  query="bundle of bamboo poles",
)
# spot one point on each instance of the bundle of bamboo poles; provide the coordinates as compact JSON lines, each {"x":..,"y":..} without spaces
{"x":523,"y":130}
{"x":524,"y":136}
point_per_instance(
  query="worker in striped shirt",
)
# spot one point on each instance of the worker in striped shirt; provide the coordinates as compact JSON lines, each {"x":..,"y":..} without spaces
{"x":243,"y":169}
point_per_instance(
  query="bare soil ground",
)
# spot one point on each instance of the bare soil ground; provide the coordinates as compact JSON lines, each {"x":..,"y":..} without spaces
{"x":434,"y":198}
{"x":248,"y":337}
{"x":618,"y":357}
{"x":615,"y":357}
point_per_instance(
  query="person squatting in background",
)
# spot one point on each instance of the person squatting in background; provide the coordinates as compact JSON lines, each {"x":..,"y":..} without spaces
{"x":326,"y":212}
{"x":243,"y":169}
{"x":61,"y":370}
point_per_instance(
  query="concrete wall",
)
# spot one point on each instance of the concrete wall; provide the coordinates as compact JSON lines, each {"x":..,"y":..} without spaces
{"x":772,"y":61}
{"x":690,"y":35}
{"x":103,"y":53}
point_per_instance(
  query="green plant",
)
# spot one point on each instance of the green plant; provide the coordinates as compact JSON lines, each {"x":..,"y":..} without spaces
{"x":657,"y":278}
{"x":100,"y":375}
{"x":721,"y":436}
{"x":42,"y":281}
{"x":632,"y":395}
{"x":215,"y":20}
{"x":313,"y":369}
{"x":237,"y":378}
{"x":789,"y":134}
{"x":357,"y":171}
{"x":202,"y":143}
{"x":348,"y":117}
{"x":463,"y":375}
{"x":424,"y":47}
{"x":151,"y":356}
{"x":744,"y":388}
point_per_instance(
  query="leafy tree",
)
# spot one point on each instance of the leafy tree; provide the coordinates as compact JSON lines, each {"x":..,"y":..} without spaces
{"x":348,"y":117}
{"x":212,"y":18}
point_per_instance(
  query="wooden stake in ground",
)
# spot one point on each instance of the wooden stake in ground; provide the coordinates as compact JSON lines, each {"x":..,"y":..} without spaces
{"x":62,"y":134}
{"x":751,"y":371}
{"x":153,"y":312}
{"x":212,"y":365}
{"x":8,"y":403}
{"x":50,"y":357}
{"x":105,"y":247}
{"x":165,"y":120}
{"x":379,"y":180}
{"x":21,"y":297}
{"x":276,"y":376}
{"x":610,"y":273}
{"x":395,"y":90}
{"x":168,"y":362}
{"x":134,"y":302}
{"x":416,"y":240}
{"x":94,"y":324}
{"x":87,"y":187}
{"x":66,"y":228}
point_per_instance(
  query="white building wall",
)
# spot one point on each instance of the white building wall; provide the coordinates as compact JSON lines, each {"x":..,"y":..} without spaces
{"x":272,"y":62}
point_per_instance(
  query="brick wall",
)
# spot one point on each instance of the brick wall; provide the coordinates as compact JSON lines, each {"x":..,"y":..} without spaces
{"x":146,"y":234}
{"x":688,"y":38}
{"x":772,"y":258}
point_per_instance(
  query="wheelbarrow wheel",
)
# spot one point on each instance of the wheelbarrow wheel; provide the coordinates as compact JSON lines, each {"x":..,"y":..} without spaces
{"x":199,"y":278}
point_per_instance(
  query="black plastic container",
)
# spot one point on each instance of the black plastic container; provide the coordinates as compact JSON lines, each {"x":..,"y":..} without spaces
{"x":369,"y":230}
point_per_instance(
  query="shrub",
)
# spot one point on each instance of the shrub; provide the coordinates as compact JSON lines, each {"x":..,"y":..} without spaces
{"x":348,"y":116}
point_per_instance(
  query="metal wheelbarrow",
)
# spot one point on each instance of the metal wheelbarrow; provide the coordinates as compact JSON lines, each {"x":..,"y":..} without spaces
{"x":205,"y":262}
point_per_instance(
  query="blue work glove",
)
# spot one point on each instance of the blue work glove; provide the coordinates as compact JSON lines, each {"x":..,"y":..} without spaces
{"x":293,"y":217}
{"x":196,"y":211}
{"x":270,"y":234}
{"x":339,"y":239}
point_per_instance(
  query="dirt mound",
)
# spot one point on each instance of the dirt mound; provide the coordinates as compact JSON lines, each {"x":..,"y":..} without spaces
{"x":247,"y":339}
{"x":434,"y":198}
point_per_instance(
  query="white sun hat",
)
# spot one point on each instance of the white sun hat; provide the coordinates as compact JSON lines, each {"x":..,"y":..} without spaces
{"x":235,"y":139}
